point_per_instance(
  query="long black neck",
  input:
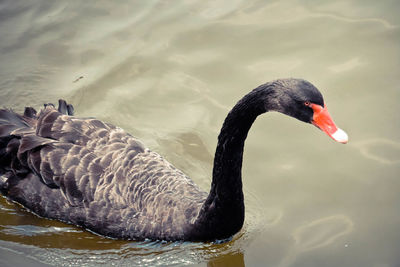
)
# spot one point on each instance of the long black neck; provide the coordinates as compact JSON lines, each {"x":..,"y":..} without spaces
{"x":222,"y":214}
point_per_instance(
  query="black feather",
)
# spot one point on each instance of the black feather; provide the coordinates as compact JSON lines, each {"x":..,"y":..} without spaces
{"x":30,"y":112}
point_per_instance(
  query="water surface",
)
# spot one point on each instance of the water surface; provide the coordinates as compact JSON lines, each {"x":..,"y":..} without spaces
{"x":169,"y":71}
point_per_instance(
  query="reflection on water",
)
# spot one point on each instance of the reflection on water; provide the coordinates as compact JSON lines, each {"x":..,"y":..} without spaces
{"x":168,"y":72}
{"x":232,"y":259}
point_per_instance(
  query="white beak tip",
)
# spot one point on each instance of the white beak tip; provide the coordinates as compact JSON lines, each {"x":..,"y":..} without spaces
{"x":340,"y":136}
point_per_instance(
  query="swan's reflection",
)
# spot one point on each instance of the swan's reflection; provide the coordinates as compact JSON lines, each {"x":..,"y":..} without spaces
{"x":234,"y":259}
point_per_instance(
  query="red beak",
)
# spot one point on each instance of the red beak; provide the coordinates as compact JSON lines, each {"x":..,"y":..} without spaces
{"x":323,"y":121}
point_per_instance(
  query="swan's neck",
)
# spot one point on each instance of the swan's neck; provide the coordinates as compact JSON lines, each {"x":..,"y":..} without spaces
{"x":222,"y":214}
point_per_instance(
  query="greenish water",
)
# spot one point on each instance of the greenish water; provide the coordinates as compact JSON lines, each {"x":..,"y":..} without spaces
{"x":169,"y":71}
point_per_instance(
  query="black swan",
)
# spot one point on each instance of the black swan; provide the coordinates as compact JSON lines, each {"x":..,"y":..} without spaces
{"x":95,"y":175}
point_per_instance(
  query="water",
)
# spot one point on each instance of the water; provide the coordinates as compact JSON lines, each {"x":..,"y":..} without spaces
{"x":168,"y":72}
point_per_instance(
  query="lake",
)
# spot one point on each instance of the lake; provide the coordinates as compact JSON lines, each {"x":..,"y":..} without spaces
{"x":168,"y":72}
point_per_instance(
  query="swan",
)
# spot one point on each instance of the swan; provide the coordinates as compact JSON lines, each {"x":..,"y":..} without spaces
{"x":94,"y":175}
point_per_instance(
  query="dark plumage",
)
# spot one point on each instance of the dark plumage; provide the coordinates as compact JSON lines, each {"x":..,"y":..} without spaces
{"x":95,"y":175}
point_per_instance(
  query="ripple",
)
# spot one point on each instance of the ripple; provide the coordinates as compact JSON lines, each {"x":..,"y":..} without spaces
{"x":258,"y":217}
{"x":317,"y":234}
{"x":348,"y":65}
{"x":380,"y":21}
{"x":384,"y":151}
{"x":283,"y":12}
{"x":121,"y":253}
{"x":31,"y":230}
{"x":322,"y":232}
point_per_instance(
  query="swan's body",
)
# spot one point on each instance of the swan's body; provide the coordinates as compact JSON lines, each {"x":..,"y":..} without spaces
{"x":95,"y":175}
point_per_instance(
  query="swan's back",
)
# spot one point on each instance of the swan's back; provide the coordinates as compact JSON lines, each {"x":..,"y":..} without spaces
{"x":95,"y":175}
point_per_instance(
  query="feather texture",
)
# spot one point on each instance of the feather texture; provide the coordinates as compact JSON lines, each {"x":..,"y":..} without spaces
{"x":93,"y":174}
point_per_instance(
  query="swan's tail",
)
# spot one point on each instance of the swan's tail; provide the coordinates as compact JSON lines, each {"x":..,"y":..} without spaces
{"x":17,"y":135}
{"x":12,"y":123}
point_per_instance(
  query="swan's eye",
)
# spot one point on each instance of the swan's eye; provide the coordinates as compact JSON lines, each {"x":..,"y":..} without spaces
{"x":307,"y":103}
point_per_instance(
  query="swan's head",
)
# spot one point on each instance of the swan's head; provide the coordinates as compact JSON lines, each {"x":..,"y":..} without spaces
{"x":302,"y":100}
